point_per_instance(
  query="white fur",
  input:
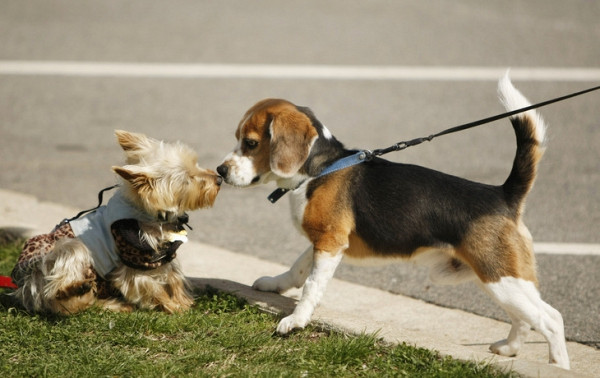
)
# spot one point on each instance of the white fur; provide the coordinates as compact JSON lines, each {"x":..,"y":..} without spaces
{"x":439,"y":262}
{"x":295,"y":277}
{"x":298,"y":202}
{"x":292,"y":182}
{"x":326,"y":133}
{"x":512,"y":99}
{"x":177,"y":236}
{"x":441,"y":270}
{"x":241,"y":169}
{"x":323,"y":268}
{"x":522,"y":301}
{"x":69,"y":262}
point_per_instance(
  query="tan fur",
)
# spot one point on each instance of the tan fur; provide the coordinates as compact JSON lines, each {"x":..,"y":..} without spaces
{"x":291,"y":140}
{"x":328,"y":219}
{"x":496,"y":247}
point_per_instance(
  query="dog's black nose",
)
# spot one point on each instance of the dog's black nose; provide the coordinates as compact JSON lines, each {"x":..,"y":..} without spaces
{"x":222,"y":170}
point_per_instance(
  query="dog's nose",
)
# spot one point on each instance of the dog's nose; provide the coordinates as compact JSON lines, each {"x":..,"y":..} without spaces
{"x":222,"y":170}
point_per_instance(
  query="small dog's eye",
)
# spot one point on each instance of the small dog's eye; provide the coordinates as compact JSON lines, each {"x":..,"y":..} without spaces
{"x":250,"y":143}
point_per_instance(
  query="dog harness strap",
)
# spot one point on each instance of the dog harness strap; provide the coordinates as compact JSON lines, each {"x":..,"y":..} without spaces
{"x":348,"y":161}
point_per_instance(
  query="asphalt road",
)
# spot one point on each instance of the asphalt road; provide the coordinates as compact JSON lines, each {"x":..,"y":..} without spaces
{"x":56,"y":138}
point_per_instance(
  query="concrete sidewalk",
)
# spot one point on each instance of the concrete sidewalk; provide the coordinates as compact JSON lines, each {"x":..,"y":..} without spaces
{"x":345,"y":306}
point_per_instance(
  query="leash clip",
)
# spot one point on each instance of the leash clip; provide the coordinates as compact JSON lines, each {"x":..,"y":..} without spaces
{"x":366,"y":155}
{"x":401,"y":146}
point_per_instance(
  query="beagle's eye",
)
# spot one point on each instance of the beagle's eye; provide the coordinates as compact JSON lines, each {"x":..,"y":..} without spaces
{"x":250,"y":144}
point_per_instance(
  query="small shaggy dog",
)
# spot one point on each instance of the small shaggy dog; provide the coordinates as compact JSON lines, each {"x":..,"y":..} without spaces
{"x":122,"y":256}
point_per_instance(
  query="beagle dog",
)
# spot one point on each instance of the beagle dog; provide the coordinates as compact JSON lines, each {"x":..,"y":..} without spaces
{"x":462,"y":230}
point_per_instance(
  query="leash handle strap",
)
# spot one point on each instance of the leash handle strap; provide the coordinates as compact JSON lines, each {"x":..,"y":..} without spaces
{"x":405,"y":144}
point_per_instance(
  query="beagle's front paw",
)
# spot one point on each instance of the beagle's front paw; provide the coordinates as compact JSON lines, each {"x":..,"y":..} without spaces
{"x":272,"y":284}
{"x":287,"y":324}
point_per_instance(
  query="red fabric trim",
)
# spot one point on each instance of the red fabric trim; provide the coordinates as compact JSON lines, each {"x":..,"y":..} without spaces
{"x":6,"y":282}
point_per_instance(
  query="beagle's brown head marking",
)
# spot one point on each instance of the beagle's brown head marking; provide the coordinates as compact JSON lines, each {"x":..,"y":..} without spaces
{"x":274,"y":141}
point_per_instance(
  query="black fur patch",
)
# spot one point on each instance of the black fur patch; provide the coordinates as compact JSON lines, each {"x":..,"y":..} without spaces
{"x":399,"y":208}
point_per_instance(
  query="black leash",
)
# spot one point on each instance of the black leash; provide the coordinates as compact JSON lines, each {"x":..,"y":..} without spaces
{"x":100,"y":195}
{"x":413,"y":142}
{"x":366,"y":155}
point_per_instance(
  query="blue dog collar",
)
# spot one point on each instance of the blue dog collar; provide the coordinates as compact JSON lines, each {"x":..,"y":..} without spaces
{"x":348,"y":161}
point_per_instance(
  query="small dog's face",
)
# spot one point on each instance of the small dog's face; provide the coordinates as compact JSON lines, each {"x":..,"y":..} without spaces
{"x":274,"y":140}
{"x":164,"y":179}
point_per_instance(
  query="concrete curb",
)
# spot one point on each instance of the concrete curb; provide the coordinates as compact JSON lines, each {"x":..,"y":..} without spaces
{"x":345,"y":306}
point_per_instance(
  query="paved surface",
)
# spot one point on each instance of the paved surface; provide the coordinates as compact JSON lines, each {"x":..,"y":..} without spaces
{"x":56,"y":131}
{"x":347,"y":307}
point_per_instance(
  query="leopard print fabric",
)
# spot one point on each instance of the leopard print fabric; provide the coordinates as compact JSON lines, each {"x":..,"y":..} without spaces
{"x":36,"y":248}
{"x":39,"y":246}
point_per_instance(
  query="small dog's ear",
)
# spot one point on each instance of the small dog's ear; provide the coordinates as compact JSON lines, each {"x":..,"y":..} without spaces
{"x":134,"y":141}
{"x":135,"y":145}
{"x":292,"y":136}
{"x":137,"y":179}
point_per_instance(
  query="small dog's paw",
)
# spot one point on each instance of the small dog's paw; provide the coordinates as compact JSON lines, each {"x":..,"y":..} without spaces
{"x":287,"y":324}
{"x":76,"y":290}
{"x":503,"y":348}
{"x":267,"y":284}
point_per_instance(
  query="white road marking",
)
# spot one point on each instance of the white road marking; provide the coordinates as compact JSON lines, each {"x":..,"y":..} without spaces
{"x":581,"y":249}
{"x":294,"y":71}
{"x":319,"y":72}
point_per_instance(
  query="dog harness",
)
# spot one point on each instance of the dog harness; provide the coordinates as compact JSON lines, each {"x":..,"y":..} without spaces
{"x":94,"y":230}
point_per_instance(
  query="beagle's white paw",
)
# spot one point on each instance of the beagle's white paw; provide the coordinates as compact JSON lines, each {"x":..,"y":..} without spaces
{"x":287,"y":324}
{"x":267,"y":283}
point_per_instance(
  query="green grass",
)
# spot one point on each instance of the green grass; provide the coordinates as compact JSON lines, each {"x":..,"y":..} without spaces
{"x":221,"y":336}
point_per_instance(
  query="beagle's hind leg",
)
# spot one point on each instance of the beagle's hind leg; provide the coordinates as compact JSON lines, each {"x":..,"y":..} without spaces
{"x":521,"y":300}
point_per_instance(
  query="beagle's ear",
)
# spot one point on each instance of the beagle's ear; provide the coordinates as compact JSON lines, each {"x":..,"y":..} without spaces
{"x":292,"y":136}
